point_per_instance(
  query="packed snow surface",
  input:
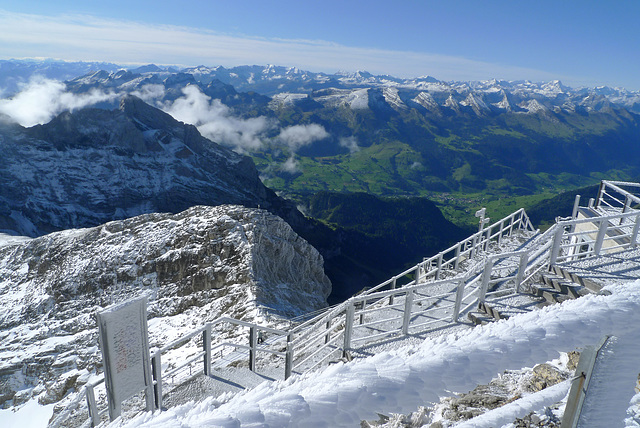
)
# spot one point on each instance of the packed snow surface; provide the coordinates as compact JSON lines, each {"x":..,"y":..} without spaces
{"x":400,"y":380}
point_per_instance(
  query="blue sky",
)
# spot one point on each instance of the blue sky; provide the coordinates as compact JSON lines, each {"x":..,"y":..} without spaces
{"x":579,"y":42}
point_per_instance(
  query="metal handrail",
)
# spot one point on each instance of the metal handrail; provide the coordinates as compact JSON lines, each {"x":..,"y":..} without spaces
{"x":470,"y":283}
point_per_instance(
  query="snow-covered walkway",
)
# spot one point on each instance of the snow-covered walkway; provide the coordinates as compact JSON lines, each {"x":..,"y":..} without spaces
{"x":401,"y":380}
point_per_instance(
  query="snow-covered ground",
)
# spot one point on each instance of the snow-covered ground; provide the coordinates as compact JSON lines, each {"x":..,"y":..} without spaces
{"x":401,"y":380}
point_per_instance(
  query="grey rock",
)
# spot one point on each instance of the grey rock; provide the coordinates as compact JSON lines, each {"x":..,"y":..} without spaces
{"x":85,"y":168}
{"x":543,"y":376}
{"x":201,"y":264}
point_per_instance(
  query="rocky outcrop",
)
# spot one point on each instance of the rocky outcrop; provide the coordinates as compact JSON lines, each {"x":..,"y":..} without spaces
{"x":194,"y":267}
{"x":92,"y":166}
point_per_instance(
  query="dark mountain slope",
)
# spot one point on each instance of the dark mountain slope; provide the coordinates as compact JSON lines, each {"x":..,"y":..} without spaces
{"x":93,"y":166}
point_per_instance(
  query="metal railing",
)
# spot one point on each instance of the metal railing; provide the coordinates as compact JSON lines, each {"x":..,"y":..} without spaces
{"x":425,"y":301}
{"x":617,"y":195}
{"x":446,"y":261}
{"x":202,"y":336}
{"x":580,"y":238}
{"x":398,"y":309}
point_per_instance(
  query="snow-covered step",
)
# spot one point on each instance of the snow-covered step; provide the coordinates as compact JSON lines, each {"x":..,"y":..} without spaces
{"x":551,"y":295}
{"x":479,"y":318}
{"x":566,"y":273}
{"x":503,"y":307}
{"x":564,"y":286}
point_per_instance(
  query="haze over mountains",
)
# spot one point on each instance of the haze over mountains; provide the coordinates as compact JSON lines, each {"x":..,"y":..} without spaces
{"x":309,"y":132}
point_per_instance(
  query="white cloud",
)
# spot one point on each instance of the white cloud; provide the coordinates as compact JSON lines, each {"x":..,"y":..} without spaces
{"x":41,"y":99}
{"x":301,"y":135}
{"x":291,"y":166}
{"x":150,"y":94}
{"x":214,"y":120}
{"x":350,"y":143}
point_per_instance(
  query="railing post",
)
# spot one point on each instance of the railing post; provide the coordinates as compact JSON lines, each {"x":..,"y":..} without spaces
{"x":634,"y":233}
{"x":206,"y":347}
{"x":253,"y":345}
{"x":473,"y":246}
{"x":576,"y":204}
{"x":486,"y":276}
{"x":327,"y":336}
{"x":288,"y":359}
{"x":524,"y":261}
{"x":486,"y":243}
{"x":408,"y":303}
{"x":555,"y":249}
{"x":599,"y":198}
{"x":457,"y":259}
{"x":456,"y":307}
{"x":156,"y":371}
{"x":364,"y":305}
{"x":625,"y":208}
{"x":348,"y":329}
{"x":439,"y":266}
{"x":93,"y":408}
{"x":602,"y":231}
{"x":501,"y":232}
{"x":393,"y":287}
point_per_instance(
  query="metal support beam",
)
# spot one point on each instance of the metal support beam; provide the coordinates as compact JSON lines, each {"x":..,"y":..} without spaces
{"x":524,"y":261}
{"x":486,"y":276}
{"x":288,"y":361}
{"x":206,"y":347}
{"x":580,"y":384}
{"x":393,"y":287}
{"x":408,"y":304}
{"x":348,"y":329}
{"x":555,"y":249}
{"x":439,"y":266}
{"x":93,"y":408}
{"x":253,"y":346}
{"x":576,"y":205}
{"x":634,"y":233}
{"x":602,"y":232}
{"x":456,"y":307}
{"x":486,"y":243}
{"x":599,"y":198}
{"x":156,"y":371}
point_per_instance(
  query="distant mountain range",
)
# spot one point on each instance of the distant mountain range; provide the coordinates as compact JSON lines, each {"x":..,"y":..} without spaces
{"x":480,"y":96}
{"x":92,"y":166}
{"x":345,"y":132}
{"x":390,"y":136}
{"x":380,"y":134}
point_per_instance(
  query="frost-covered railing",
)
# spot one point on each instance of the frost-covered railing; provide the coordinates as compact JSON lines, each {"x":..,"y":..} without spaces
{"x":317,"y":339}
{"x":437,"y":266}
{"x":618,"y":195}
{"x":209,"y":350}
{"x":370,"y":317}
{"x":426,"y":301}
{"x":588,"y":237}
{"x":209,"y":354}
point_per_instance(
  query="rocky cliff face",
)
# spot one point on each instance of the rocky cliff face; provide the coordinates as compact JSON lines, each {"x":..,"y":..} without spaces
{"x":194,"y":266}
{"x":89,"y":167}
